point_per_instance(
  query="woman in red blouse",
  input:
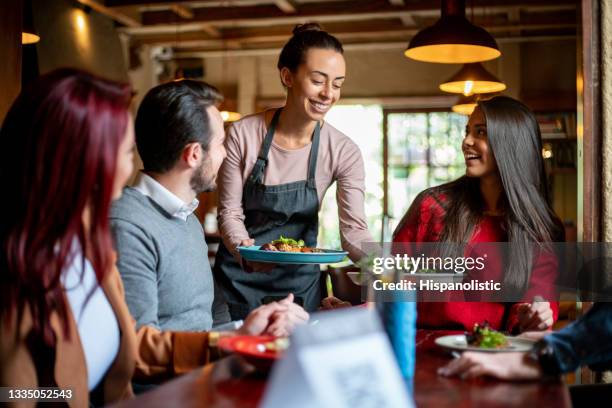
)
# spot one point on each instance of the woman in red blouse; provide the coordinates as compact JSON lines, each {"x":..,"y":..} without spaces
{"x":502,"y":198}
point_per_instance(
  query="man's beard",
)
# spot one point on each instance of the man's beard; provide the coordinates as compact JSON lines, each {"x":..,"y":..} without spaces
{"x":202,"y":180}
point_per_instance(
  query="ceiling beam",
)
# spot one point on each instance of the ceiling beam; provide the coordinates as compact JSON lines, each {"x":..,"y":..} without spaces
{"x":286,"y":6}
{"x":211,"y":30}
{"x":113,"y":14}
{"x":265,"y":15}
{"x":374,"y":29}
{"x":182,"y":11}
{"x":379,"y":45}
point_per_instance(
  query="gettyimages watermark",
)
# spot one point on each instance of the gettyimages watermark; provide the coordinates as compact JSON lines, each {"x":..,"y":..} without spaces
{"x":485,"y":272}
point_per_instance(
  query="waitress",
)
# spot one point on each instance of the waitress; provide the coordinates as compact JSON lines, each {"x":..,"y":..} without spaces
{"x":279,"y":164}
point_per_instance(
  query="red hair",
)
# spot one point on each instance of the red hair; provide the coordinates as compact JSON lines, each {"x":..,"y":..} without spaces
{"x":59,"y":151}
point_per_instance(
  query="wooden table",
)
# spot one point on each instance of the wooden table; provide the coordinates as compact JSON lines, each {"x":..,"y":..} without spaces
{"x":232,"y":383}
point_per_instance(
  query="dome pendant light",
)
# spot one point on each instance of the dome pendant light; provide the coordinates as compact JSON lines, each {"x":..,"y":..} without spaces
{"x":473,"y":79}
{"x":453,"y":39}
{"x":230,"y":116}
{"x":466,"y":104}
{"x":28,"y":33}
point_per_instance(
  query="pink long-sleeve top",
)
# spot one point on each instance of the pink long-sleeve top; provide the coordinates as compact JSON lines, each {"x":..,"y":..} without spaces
{"x":339,"y":160}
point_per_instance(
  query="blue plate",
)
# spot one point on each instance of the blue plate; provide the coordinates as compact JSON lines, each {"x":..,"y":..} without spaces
{"x":253,"y":253}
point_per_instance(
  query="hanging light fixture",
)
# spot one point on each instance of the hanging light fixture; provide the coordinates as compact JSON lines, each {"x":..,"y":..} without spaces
{"x":227,"y":108}
{"x":230,"y":116}
{"x":473,"y":79}
{"x":466,"y":104}
{"x":28,"y":33}
{"x":452,"y":39}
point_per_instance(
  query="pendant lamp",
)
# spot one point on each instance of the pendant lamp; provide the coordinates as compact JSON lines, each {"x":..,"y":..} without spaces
{"x":465,"y":104}
{"x":452,"y":39}
{"x":230,"y":116}
{"x":473,"y":79}
{"x":28,"y":33}
{"x":228,"y":110}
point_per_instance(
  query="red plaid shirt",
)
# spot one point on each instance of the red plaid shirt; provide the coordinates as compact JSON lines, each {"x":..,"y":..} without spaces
{"x":424,"y":223}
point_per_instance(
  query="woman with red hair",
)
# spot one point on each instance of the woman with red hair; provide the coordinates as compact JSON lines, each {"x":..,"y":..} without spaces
{"x":67,"y":146}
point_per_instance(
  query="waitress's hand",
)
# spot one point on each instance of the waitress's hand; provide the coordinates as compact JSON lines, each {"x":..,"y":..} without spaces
{"x":249,"y":266}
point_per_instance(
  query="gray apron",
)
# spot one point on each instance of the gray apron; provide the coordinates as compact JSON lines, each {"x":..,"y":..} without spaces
{"x":288,"y":209}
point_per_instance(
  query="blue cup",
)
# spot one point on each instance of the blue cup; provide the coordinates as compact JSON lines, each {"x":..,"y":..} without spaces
{"x":399,"y":320}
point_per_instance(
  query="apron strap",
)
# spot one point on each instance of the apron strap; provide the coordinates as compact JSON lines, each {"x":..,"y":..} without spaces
{"x":262,"y":159}
{"x":314,"y":152}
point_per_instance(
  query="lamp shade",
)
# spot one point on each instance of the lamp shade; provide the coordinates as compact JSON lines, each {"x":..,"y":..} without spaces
{"x":465,"y":104}
{"x":28,"y":33}
{"x":473,"y":79}
{"x":453,"y":39}
{"x":230,"y":116}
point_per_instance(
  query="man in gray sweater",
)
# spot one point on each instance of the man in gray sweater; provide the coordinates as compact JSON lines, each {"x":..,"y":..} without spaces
{"x":162,"y":252}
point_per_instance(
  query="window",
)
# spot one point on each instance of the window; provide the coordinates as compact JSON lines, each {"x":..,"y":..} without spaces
{"x":422,"y":149}
{"x":363,"y":124}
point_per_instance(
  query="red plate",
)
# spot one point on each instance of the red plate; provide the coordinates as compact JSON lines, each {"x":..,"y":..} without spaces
{"x":252,"y":349}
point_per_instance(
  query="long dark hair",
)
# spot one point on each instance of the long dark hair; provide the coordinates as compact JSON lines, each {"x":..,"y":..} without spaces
{"x":514,"y":138}
{"x":60,"y":142}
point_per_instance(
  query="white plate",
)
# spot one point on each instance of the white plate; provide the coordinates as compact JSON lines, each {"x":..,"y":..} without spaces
{"x":458,"y":342}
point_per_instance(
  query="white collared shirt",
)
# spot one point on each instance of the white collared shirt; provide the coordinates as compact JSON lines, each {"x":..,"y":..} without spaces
{"x":167,"y":200}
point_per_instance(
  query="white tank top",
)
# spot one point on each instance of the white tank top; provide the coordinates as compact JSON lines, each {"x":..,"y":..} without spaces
{"x":96,"y":321}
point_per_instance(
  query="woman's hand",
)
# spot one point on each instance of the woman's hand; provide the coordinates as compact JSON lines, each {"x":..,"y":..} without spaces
{"x":332,"y":302}
{"x":535,"y":316}
{"x":505,"y":366}
{"x":248,"y":266}
{"x":535,"y":335}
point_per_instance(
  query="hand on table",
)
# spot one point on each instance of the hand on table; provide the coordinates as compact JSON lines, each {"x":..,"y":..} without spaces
{"x":535,"y":316}
{"x":535,"y":335}
{"x":283,"y":324}
{"x":332,"y":302}
{"x":505,"y":366}
{"x":249,"y":266}
{"x":276,"y":318}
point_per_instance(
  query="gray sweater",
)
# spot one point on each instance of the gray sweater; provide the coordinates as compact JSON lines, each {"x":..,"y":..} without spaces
{"x":163,"y":262}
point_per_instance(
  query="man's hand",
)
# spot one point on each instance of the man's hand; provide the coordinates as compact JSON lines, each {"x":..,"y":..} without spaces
{"x":332,"y":302}
{"x":535,"y":316}
{"x":505,"y":366}
{"x":284,"y":323}
{"x":276,"y":318}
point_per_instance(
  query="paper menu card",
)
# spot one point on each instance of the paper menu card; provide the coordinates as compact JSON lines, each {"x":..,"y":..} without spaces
{"x":343,"y":361}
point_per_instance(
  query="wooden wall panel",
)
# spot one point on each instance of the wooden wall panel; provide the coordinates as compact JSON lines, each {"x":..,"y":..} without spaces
{"x":10,"y":50}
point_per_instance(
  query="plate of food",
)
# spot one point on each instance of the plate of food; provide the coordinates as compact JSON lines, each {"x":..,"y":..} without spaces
{"x":484,"y":338}
{"x":260,"y":351}
{"x":290,"y":251}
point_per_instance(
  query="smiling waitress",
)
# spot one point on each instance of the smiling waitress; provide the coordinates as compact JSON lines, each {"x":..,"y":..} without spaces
{"x":279,"y":164}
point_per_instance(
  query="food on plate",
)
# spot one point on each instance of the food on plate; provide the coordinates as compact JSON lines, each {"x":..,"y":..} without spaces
{"x":284,"y":244}
{"x":277,"y":345}
{"x":484,"y":337}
